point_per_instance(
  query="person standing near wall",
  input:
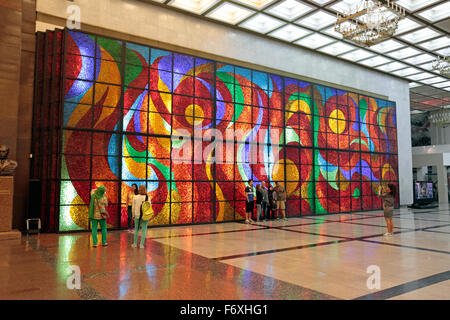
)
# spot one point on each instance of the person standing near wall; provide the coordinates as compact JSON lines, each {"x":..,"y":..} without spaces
{"x":98,"y":214}
{"x":249,"y":202}
{"x":388,"y":196}
{"x":259,"y":199}
{"x":265,"y":201}
{"x":281,"y":200}
{"x":130,"y":195}
{"x":140,"y":223}
{"x":273,"y":202}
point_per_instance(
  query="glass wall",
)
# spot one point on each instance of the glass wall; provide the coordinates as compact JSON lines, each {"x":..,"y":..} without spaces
{"x":195,"y":130}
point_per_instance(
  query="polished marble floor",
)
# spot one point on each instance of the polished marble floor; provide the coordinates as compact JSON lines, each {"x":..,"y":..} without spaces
{"x":323,"y":257}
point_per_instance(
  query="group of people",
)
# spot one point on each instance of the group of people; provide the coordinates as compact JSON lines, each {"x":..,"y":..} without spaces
{"x":270,"y":202}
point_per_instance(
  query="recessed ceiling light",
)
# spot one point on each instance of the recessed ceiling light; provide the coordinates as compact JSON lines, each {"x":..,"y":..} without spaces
{"x":289,"y":33}
{"x":406,"y":24}
{"x":330,"y":31}
{"x":443,"y":52}
{"x":258,"y":4}
{"x":196,"y":6}
{"x":437,"y":80}
{"x":337,"y":48}
{"x":420,"y":59}
{"x":357,"y":55}
{"x":314,"y":41}
{"x":427,"y":66}
{"x":392,"y":66}
{"x":387,"y":46}
{"x":375,"y":61}
{"x":321,"y":2}
{"x":420,"y":35}
{"x":413,"y":5}
{"x":438,"y":12}
{"x":317,"y":20}
{"x":344,"y":5}
{"x":420,"y":76}
{"x":414,"y":84}
{"x":404,"y":53}
{"x":406,"y":72}
{"x":436,"y":43}
{"x":230,"y":13}
{"x":261,"y":23}
{"x":289,"y":9}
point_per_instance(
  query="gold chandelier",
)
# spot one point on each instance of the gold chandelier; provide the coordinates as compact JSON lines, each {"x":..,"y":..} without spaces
{"x":371,"y":22}
{"x":442,"y":65}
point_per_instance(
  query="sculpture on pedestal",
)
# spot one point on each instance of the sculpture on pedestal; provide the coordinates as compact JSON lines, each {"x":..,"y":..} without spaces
{"x":7,"y":167}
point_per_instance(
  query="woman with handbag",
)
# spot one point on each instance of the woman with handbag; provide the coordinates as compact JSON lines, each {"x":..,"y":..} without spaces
{"x":98,"y":214}
{"x":141,"y":207}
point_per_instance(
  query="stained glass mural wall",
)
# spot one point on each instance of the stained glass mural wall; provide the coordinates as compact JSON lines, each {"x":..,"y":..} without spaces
{"x":195,"y":130}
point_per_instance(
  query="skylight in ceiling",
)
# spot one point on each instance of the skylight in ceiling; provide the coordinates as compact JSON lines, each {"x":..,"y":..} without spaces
{"x":289,"y":33}
{"x":261,"y":23}
{"x":317,"y":20}
{"x":230,"y":13}
{"x":196,"y":6}
{"x":289,"y":9}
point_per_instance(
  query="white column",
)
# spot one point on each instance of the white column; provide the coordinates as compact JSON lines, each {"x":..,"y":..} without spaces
{"x":442,"y":183}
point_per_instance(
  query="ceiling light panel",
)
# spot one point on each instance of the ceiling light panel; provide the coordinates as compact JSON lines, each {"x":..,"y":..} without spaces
{"x":392,"y":66}
{"x":406,"y":72}
{"x":317,"y":20}
{"x":337,"y":48}
{"x":405,"y":25}
{"x":420,"y":35}
{"x":443,"y":52}
{"x":435,"y":80}
{"x":375,"y":61}
{"x":437,"y":13}
{"x":413,"y":5}
{"x":420,"y":76}
{"x":387,"y":46}
{"x":441,"y":84}
{"x":420,"y":59}
{"x":403,"y":53}
{"x":230,"y":13}
{"x":414,"y":85}
{"x":330,"y":31}
{"x":436,"y":43}
{"x":315,"y":41}
{"x":289,"y":33}
{"x":261,"y":23}
{"x":289,"y":9}
{"x":258,"y":4}
{"x":357,"y":55}
{"x":196,"y":6}
{"x":321,"y":2}
{"x":345,"y":5}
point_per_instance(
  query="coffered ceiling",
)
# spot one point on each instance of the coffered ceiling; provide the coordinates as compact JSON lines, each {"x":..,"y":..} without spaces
{"x":421,"y":36}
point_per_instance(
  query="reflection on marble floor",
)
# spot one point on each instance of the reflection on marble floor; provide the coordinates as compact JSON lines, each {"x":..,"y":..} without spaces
{"x":314,"y":257}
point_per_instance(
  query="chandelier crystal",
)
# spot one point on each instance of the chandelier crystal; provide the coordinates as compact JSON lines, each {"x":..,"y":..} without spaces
{"x":370,"y":22}
{"x":442,"y":65}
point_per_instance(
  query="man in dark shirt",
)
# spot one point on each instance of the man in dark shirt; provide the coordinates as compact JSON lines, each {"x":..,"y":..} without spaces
{"x":249,"y":202}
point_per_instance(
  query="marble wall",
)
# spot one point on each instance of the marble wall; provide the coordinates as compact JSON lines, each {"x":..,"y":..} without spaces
{"x":17,"y":28}
{"x":155,"y":25}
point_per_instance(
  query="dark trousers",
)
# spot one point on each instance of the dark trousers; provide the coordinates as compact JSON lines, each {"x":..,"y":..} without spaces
{"x":264,"y":210}
{"x":130,"y":218}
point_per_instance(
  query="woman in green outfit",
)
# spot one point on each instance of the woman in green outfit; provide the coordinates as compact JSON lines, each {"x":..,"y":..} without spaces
{"x":98,"y":214}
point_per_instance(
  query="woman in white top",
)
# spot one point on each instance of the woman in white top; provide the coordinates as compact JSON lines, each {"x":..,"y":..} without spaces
{"x":136,"y":209}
